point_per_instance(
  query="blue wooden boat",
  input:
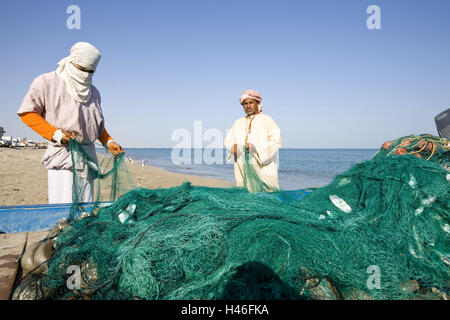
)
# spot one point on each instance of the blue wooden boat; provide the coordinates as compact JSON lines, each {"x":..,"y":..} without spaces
{"x":29,"y":218}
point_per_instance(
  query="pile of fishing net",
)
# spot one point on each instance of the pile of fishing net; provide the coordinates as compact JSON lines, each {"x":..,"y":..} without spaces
{"x":378,"y":231}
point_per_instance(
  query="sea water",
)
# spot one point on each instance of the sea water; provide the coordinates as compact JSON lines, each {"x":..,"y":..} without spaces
{"x":298,"y":168}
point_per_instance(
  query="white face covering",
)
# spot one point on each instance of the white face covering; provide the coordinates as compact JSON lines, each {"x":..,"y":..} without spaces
{"x":79,"y":82}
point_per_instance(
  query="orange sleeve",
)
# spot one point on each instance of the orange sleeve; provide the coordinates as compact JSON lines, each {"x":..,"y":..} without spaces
{"x":36,"y":122}
{"x":104,"y":137}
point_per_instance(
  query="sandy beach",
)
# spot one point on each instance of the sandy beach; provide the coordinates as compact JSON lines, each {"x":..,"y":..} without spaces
{"x":23,"y":179}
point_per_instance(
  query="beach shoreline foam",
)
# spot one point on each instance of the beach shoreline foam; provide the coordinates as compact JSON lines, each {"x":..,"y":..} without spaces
{"x":23,"y":179}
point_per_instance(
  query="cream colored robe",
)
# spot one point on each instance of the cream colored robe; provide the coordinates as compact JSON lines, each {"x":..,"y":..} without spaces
{"x":266,"y":137}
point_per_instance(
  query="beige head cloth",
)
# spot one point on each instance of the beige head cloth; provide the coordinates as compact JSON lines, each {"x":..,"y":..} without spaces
{"x":79,"y":82}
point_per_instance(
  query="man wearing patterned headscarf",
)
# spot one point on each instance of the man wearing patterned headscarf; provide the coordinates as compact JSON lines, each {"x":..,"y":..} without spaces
{"x":258,"y":137}
{"x":63,"y":105}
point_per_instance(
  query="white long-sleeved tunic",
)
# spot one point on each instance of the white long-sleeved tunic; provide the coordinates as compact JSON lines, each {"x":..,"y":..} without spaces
{"x":261,"y":131}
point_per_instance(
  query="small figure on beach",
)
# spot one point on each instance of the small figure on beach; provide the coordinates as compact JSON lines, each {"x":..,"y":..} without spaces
{"x":254,"y":141}
{"x":63,"y":105}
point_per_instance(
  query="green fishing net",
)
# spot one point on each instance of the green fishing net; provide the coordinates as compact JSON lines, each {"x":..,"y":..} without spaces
{"x":110,"y":177}
{"x":252,"y":181}
{"x":378,"y":231}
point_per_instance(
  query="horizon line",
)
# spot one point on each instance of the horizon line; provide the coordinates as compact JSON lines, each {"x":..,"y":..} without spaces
{"x":285,"y":148}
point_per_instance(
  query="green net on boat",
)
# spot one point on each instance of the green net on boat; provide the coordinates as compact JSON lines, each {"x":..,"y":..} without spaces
{"x":110,"y":177}
{"x":378,"y":231}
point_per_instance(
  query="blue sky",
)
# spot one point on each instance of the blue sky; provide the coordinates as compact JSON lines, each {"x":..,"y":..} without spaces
{"x":325,"y":78}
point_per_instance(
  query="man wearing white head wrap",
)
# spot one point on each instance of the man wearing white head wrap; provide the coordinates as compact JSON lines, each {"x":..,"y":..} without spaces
{"x":78,"y":69}
{"x":64,"y":104}
{"x":259,"y":136}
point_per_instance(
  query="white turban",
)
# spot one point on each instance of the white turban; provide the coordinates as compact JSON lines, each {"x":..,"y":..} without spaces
{"x":79,"y":82}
